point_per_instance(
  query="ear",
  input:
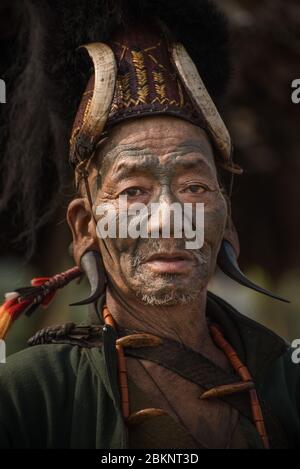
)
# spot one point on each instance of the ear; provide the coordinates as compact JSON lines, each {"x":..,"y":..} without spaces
{"x":83,"y":228}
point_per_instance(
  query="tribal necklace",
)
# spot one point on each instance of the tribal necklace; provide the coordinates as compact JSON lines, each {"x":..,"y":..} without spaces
{"x":245,"y":385}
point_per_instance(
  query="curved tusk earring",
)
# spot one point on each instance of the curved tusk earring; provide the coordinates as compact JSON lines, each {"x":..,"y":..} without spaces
{"x":92,"y":265}
{"x":228,"y":264}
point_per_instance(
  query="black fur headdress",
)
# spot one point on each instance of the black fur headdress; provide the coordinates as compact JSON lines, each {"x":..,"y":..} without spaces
{"x":48,"y":89}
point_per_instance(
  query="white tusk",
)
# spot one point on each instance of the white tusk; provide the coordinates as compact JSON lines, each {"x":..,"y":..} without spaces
{"x":201,"y":98}
{"x":105,"y":80}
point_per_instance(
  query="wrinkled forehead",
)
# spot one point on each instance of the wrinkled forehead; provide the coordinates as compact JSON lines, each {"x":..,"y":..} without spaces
{"x":160,"y":142}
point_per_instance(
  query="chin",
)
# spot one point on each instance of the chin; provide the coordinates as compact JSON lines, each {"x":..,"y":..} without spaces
{"x":166,"y":299}
{"x":168,"y":291}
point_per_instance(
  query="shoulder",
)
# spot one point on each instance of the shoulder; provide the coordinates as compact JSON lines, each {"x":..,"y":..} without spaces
{"x":44,"y":362}
{"x":42,"y":359}
{"x":48,"y":375}
{"x":38,"y":388}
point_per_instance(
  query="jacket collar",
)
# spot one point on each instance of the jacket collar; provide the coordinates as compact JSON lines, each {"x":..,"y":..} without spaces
{"x":257,"y":346}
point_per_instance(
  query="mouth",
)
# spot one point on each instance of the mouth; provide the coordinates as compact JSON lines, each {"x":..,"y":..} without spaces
{"x":179,"y":262}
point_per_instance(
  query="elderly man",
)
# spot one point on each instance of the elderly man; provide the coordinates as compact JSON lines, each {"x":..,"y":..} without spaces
{"x":163,"y":363}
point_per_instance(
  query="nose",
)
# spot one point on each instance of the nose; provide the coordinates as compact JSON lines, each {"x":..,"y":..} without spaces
{"x":166,"y":216}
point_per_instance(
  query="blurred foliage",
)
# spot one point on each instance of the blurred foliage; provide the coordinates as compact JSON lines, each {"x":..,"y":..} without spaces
{"x":264,"y":124}
{"x":282,"y":318}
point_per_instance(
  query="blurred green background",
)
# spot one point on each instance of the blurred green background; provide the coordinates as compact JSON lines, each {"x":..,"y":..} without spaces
{"x":265,"y":128}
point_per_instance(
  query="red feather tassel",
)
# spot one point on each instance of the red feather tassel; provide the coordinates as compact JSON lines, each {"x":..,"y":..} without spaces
{"x":28,"y":299}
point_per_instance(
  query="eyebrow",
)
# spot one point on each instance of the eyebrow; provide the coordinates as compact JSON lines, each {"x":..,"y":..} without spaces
{"x":142,"y":161}
{"x":193,"y":145}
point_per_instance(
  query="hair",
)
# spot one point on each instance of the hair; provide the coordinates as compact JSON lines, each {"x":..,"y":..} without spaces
{"x":48,"y":78}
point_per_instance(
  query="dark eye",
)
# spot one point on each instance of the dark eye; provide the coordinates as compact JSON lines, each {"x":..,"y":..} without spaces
{"x":195,"y":189}
{"x":133,"y":192}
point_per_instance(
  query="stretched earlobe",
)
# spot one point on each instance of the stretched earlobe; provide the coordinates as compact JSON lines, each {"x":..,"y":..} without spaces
{"x":82,"y":227}
{"x":92,"y":265}
{"x":228,"y":264}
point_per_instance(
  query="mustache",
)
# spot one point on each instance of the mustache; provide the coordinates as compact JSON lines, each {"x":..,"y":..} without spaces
{"x":149,"y":247}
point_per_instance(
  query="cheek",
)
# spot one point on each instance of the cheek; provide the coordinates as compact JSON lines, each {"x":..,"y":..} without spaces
{"x":117,"y":251}
{"x":113,"y":255}
{"x":215,"y":221}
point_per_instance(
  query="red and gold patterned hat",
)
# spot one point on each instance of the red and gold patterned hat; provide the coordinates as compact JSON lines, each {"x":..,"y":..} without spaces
{"x":143,"y":71}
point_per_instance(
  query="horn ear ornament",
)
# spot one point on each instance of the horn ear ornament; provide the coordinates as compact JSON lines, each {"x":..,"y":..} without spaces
{"x":199,"y":95}
{"x":85,"y":138}
{"x":228,"y":264}
{"x":92,"y":265}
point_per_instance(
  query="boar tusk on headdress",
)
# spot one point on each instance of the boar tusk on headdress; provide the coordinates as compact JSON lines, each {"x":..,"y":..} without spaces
{"x":202,"y":100}
{"x":84,"y":138}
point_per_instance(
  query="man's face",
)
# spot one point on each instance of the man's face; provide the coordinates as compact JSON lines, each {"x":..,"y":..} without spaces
{"x":160,"y":160}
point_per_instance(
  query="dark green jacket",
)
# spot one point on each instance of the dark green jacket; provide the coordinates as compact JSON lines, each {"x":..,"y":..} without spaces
{"x":64,"y":396}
